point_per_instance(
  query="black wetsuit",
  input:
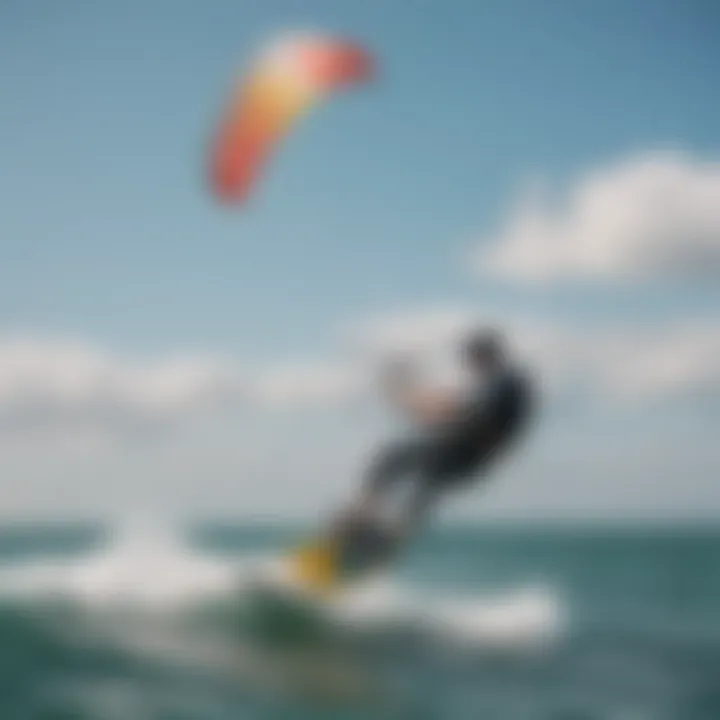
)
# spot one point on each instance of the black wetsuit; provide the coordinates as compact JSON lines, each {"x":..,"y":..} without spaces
{"x":457,"y":452}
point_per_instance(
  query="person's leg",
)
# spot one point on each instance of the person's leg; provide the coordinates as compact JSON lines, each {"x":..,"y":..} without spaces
{"x":444,"y":469}
{"x":423,"y":499}
{"x":390,"y":466}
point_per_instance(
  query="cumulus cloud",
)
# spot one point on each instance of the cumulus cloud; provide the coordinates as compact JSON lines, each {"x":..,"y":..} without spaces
{"x":681,"y":359}
{"x":302,"y":383}
{"x":629,"y":363}
{"x":652,"y":215}
{"x":50,"y":386}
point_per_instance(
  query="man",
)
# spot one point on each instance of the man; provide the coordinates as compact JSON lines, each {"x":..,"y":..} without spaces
{"x":459,"y":438}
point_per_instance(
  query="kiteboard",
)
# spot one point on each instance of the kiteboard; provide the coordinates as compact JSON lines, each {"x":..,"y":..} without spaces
{"x":352,"y":550}
{"x":291,"y":602}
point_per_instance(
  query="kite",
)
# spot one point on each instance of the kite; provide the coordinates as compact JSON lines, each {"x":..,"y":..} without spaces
{"x":288,"y":78}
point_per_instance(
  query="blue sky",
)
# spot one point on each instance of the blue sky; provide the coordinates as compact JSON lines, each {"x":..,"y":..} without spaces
{"x":110,"y":236}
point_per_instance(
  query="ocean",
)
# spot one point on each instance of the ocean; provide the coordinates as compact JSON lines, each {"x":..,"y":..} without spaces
{"x":499,"y":622}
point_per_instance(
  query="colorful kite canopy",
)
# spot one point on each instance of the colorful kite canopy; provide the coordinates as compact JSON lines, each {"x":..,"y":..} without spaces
{"x":287,"y":79}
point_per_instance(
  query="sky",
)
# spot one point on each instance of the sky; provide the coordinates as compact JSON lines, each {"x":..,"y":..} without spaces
{"x":553,"y":167}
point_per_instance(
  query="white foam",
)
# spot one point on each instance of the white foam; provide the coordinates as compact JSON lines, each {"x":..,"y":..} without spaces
{"x":142,"y":566}
{"x":515,"y":617}
{"x":518,"y":617}
{"x":149,"y":568}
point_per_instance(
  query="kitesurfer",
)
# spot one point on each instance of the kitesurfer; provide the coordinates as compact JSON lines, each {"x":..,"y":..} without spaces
{"x":459,"y":437}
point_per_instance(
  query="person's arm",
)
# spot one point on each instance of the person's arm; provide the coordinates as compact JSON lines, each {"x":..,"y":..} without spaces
{"x":424,"y":406}
{"x":427,"y":407}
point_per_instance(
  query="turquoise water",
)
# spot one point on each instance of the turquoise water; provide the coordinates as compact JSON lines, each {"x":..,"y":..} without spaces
{"x":516,"y":623}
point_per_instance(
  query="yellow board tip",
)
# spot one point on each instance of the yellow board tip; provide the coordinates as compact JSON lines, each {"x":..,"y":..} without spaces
{"x":316,"y":565}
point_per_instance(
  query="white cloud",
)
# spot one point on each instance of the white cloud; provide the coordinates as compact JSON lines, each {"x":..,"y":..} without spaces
{"x":678,"y":360}
{"x":302,"y":383}
{"x":60,"y":381}
{"x":630,"y":364}
{"x":653,"y":215}
{"x":73,"y":388}
{"x":624,"y":362}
